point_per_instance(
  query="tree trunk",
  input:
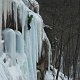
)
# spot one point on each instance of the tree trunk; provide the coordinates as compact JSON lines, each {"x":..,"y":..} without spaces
{"x":59,"y":57}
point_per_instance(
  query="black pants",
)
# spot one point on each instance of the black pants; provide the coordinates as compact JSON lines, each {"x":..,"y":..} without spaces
{"x":29,"y":27}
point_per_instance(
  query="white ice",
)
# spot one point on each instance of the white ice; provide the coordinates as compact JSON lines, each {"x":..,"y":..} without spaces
{"x":10,"y":43}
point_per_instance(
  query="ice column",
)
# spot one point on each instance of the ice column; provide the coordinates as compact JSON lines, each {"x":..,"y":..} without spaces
{"x":23,"y":20}
{"x":19,"y":42}
{"x":21,"y":56}
{"x":39,"y":36}
{"x":15,"y":13}
{"x":10,"y":43}
{"x":34,"y":44}
{"x":5,"y":12}
{"x":28,"y":51}
{"x":49,"y":53}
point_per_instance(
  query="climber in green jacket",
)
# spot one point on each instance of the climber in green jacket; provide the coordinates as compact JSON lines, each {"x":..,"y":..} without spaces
{"x":29,"y":21}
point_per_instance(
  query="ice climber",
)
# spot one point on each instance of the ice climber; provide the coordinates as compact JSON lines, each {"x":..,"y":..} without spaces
{"x":29,"y":21}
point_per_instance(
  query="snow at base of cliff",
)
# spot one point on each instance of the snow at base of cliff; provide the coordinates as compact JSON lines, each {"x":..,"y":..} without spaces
{"x":51,"y":75}
{"x":10,"y":72}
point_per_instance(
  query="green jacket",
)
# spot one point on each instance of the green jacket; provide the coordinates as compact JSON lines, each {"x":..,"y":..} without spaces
{"x":30,"y":18}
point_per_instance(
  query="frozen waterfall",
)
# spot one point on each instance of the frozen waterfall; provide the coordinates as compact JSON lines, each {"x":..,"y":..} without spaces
{"x":21,"y":49}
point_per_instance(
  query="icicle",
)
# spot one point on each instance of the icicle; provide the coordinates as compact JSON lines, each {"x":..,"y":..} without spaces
{"x":0,"y":16}
{"x":15,"y":14}
{"x":39,"y":31}
{"x":49,"y":53}
{"x":5,"y":12}
{"x":28,"y":51}
{"x":49,"y":50}
{"x":34,"y":48}
{"x":2,"y":6}
{"x":10,"y":7}
{"x":24,"y":16}
{"x":0,"y":26}
{"x":20,"y":13}
{"x":19,"y":42}
{"x":39,"y":34}
{"x":36,"y":37}
{"x":23,"y":22}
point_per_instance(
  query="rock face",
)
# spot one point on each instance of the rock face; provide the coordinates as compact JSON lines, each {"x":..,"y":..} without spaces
{"x":38,"y":75}
{"x":33,"y":5}
{"x":44,"y":61}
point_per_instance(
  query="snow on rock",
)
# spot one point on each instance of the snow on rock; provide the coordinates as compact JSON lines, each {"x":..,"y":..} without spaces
{"x":48,"y":76}
{"x":51,"y":75}
{"x":45,"y":38}
{"x":9,"y":72}
{"x":32,"y":4}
